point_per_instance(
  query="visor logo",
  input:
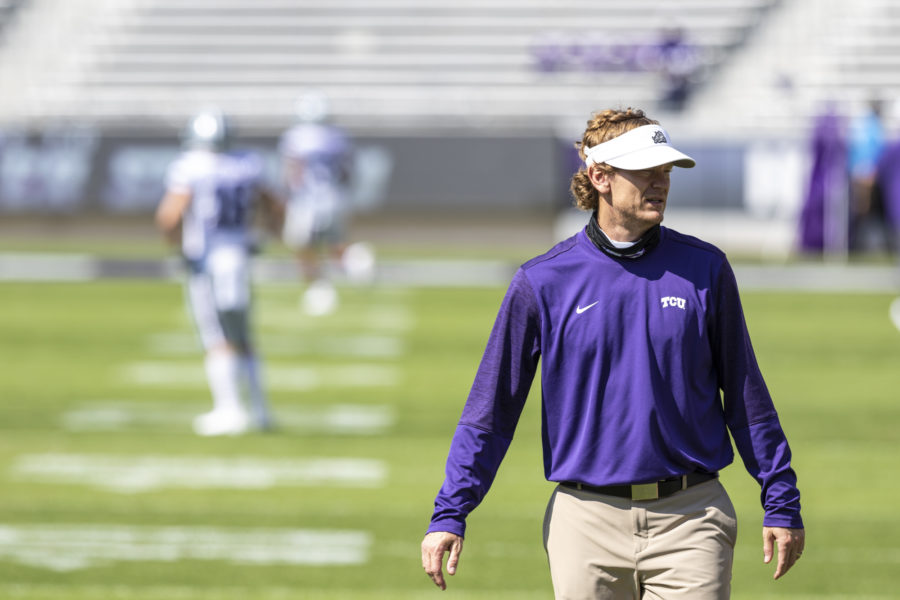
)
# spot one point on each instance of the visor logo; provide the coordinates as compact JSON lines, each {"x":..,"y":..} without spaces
{"x":659,"y":137}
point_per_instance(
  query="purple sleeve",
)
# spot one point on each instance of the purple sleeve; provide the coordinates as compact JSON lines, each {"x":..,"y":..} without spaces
{"x":749,"y":410}
{"x":493,"y":408}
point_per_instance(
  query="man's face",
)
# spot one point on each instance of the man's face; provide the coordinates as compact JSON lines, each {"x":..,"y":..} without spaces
{"x":638,"y":198}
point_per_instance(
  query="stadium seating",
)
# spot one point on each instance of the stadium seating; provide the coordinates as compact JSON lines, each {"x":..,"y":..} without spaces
{"x":384,"y":63}
{"x":387,"y":65}
{"x":810,"y":57}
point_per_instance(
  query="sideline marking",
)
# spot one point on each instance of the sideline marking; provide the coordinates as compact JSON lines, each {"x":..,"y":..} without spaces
{"x":347,"y":419}
{"x":69,"y":547}
{"x":25,"y":266}
{"x":142,"y":473}
{"x":182,"y":374}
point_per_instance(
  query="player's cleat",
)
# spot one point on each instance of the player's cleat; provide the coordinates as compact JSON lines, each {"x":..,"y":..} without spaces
{"x":221,"y":422}
{"x":320,"y":299}
{"x":359,"y":262}
{"x":262,"y":423}
{"x":895,"y":313}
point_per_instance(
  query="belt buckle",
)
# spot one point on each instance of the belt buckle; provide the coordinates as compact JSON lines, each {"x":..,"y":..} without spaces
{"x":645,"y":491}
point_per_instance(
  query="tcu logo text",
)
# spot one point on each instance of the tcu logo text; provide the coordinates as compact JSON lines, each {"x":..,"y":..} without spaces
{"x":672,"y":301}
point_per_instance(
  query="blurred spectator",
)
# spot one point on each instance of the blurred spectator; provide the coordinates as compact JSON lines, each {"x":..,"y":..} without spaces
{"x":207,"y":208}
{"x":678,"y":62}
{"x":317,"y":166}
{"x":823,"y":219}
{"x":670,"y":54}
{"x":550,"y":50}
{"x":866,"y":143}
{"x":887,"y":187}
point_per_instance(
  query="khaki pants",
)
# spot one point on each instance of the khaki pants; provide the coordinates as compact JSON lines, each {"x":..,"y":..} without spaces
{"x":603,"y":547}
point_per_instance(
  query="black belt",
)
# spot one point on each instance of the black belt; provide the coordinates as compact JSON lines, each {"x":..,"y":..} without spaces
{"x":645,"y":491}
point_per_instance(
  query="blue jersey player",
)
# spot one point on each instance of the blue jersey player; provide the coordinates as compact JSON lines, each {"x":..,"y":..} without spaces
{"x":211,"y":197}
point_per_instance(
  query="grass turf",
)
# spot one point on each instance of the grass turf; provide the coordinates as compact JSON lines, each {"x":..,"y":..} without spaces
{"x":830,"y":361}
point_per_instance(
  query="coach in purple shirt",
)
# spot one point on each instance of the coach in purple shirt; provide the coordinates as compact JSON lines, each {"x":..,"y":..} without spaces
{"x":646,"y":366}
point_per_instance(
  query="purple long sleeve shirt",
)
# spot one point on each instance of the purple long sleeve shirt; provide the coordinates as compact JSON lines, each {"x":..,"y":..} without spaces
{"x":646,"y":365}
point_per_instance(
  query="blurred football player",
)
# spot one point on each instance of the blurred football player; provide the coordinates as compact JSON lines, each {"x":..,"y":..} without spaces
{"x":316,"y":158}
{"x":208,"y":206}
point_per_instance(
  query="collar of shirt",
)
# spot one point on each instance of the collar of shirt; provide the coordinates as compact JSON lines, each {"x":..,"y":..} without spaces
{"x":645,"y":243}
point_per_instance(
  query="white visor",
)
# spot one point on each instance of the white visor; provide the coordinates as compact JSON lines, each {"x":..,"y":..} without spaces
{"x":641,"y":148}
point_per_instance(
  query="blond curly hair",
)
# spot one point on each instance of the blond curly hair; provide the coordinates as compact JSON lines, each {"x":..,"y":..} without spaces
{"x":603,"y":126}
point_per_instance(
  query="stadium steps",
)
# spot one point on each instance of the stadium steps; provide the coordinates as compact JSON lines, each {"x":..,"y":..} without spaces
{"x":811,"y":55}
{"x":388,"y":63}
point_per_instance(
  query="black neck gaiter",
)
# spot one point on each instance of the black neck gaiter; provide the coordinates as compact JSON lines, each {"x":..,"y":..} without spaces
{"x":646,"y":242}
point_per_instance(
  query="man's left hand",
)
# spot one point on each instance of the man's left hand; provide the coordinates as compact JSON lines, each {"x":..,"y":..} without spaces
{"x":790,"y":543}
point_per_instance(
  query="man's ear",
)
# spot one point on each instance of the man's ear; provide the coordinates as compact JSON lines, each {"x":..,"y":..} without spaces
{"x":600,"y":179}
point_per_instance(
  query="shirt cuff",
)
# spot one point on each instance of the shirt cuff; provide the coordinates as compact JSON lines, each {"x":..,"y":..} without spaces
{"x":449,"y":525}
{"x":788,"y":521}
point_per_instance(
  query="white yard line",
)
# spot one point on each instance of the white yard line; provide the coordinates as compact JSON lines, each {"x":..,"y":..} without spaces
{"x":282,"y":345}
{"x":71,"y":547}
{"x":277,"y":377}
{"x":376,"y":317}
{"x":133,"y":474}
{"x":124,"y":415}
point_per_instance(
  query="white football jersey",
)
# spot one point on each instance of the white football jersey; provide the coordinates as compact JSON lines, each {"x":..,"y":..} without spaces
{"x":222,"y":188}
{"x":324,"y":152}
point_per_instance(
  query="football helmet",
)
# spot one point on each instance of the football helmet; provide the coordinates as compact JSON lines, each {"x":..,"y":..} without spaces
{"x":208,"y":130}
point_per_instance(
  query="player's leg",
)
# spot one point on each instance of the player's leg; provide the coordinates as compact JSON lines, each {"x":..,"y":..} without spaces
{"x":298,"y":222}
{"x":229,"y":275}
{"x":298,"y":236}
{"x":232,"y":275}
{"x":259,"y":404}
{"x":220,"y":362}
{"x":236,"y":324}
{"x":356,"y":260}
{"x":221,"y":365}
{"x":320,"y":297}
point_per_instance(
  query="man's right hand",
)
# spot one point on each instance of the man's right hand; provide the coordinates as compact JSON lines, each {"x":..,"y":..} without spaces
{"x":434,"y":546}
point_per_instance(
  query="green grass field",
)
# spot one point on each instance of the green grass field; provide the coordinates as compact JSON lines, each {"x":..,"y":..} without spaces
{"x":105,"y":492}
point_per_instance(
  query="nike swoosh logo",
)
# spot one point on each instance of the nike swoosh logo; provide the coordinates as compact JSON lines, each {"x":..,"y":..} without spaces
{"x":579,"y":309}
